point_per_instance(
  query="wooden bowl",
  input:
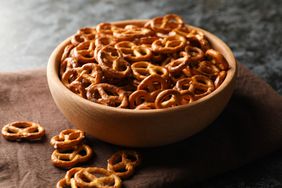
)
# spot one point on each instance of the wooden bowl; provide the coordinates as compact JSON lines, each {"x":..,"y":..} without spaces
{"x":141,"y":128}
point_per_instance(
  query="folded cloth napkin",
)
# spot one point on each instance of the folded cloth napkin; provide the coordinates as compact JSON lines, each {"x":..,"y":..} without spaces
{"x":249,"y":128}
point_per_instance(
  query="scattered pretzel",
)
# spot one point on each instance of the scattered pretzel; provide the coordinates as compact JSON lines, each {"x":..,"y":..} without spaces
{"x":23,"y":130}
{"x":123,"y":163}
{"x":116,"y":64}
{"x":67,"y":139}
{"x":68,"y":180}
{"x":71,"y":157}
{"x":97,"y":177}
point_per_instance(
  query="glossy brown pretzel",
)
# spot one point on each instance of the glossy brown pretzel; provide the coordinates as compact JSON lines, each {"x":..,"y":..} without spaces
{"x":123,"y":163}
{"x":67,"y":139}
{"x":23,"y":130}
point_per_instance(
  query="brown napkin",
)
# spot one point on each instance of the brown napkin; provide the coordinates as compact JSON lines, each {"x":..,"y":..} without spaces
{"x":250,"y":127}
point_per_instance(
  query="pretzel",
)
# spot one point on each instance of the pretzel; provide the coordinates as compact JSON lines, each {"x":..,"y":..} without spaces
{"x":68,"y":180}
{"x":195,"y":54}
{"x":71,"y":157}
{"x":84,"y":52}
{"x":113,"y":63}
{"x":218,"y":59}
{"x":169,"y":44}
{"x":177,"y":65}
{"x":198,"y":85}
{"x":76,"y":78}
{"x":133,"y":52}
{"x":67,"y":51}
{"x":219,"y":79}
{"x":146,"y":106}
{"x":107,"y":94}
{"x":23,"y":130}
{"x":139,"y":97}
{"x":97,"y":177}
{"x":197,"y":39}
{"x":168,"y":98}
{"x":123,"y":163}
{"x":207,"y":68}
{"x":67,"y":139}
{"x":83,"y":35}
{"x":142,"y":69}
{"x":130,"y":32}
{"x":105,"y":29}
{"x":165,"y":24}
{"x":153,"y":84}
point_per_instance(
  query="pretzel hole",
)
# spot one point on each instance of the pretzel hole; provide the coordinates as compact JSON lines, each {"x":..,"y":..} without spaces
{"x":84,"y":178}
{"x":185,"y":86}
{"x":198,"y":91}
{"x":82,"y":152}
{"x":67,"y":151}
{"x":122,"y":169}
{"x":22,"y":126}
{"x":131,"y":157}
{"x":11,"y":131}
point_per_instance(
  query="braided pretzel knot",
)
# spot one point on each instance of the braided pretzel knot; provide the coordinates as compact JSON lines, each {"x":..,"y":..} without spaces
{"x":168,"y":98}
{"x":71,"y":157}
{"x":169,"y":44}
{"x":198,"y":86}
{"x":134,"y":52}
{"x":143,"y":69}
{"x":112,"y":62}
{"x":165,"y":24}
{"x":123,"y":163}
{"x":97,"y":177}
{"x":68,"y":180}
{"x":67,"y":139}
{"x":23,"y":130}
{"x":83,"y":35}
{"x":107,"y":94}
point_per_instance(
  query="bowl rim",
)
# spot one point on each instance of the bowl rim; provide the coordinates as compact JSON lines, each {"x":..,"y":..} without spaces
{"x":52,"y":72}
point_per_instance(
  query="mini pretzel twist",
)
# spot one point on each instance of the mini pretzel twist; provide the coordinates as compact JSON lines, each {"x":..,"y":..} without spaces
{"x":168,"y":98}
{"x":153,"y":84}
{"x":195,"y":54}
{"x":197,"y":39}
{"x":133,"y":52}
{"x":142,"y":69}
{"x":123,"y":163}
{"x":198,"y":86}
{"x":177,"y":65}
{"x":84,"y":52}
{"x":67,"y":139}
{"x":68,"y":180}
{"x":166,"y":23}
{"x":76,"y":79}
{"x":97,"y":177}
{"x":23,"y":130}
{"x":112,"y":62}
{"x":71,"y":157}
{"x":139,"y":97}
{"x":83,"y":35}
{"x":218,"y":59}
{"x":169,"y":44}
{"x":105,"y":29}
{"x":130,"y":32}
{"x":107,"y":94}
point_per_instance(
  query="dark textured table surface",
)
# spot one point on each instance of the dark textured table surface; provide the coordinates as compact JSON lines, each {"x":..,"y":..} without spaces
{"x":31,"y":29}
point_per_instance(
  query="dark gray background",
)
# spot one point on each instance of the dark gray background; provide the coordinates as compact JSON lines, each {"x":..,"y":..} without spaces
{"x":31,"y":29}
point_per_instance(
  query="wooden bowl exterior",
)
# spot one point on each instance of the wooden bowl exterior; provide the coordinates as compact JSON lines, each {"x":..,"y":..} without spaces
{"x":141,"y":128}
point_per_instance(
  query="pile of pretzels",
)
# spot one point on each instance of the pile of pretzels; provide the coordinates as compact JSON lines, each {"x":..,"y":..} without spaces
{"x":158,"y":64}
